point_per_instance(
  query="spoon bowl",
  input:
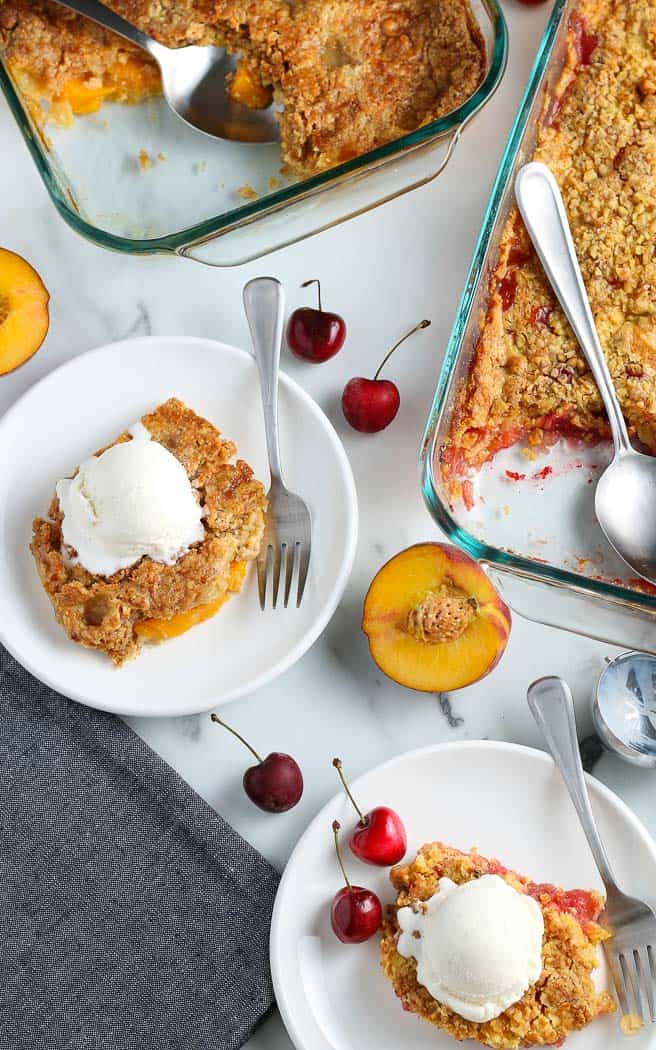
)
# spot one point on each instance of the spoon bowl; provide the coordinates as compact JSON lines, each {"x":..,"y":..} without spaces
{"x":195,"y":81}
{"x":625,"y":498}
{"x":194,"y":84}
{"x":625,"y":505}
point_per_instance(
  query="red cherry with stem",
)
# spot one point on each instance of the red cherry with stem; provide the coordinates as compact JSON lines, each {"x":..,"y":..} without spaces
{"x":275,"y":784}
{"x":315,"y":335}
{"x":355,"y":913}
{"x":380,"y":836}
{"x":370,"y":405}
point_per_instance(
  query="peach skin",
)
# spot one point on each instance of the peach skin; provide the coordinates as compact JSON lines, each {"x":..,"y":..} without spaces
{"x":433,"y":619}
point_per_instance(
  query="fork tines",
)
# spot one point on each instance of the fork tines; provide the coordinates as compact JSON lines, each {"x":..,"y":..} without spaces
{"x":634,"y":976}
{"x":284,"y":559}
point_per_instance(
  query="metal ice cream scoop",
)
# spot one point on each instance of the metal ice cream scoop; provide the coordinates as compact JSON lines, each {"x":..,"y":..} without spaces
{"x":193,"y":81}
{"x":625,"y":498}
{"x":624,"y":708}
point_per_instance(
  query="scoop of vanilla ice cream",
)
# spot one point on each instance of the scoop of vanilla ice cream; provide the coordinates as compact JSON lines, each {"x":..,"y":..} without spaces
{"x":478,"y":946}
{"x":133,"y":500}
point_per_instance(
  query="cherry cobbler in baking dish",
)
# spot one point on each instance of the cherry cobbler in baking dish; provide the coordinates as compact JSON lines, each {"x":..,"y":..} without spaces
{"x":528,"y":381}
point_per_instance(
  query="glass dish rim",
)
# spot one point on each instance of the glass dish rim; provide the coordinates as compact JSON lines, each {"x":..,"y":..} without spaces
{"x":481,"y":551}
{"x":211,"y":228}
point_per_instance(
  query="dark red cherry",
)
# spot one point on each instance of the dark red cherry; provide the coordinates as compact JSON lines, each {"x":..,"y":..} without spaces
{"x":315,"y":335}
{"x":370,"y":405}
{"x":355,"y":913}
{"x":379,"y":836}
{"x":275,"y":784}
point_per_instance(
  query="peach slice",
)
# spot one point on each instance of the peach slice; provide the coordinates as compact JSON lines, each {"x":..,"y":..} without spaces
{"x":158,"y":630}
{"x":23,"y":311}
{"x":433,"y":619}
{"x":246,"y":87}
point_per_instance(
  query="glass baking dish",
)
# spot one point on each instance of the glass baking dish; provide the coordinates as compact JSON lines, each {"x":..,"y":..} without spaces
{"x":533,"y":524}
{"x":136,"y":179}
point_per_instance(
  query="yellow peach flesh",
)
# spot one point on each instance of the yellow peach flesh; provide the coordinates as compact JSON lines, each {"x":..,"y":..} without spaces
{"x":474,"y":643}
{"x":23,"y":311}
{"x":158,"y":630}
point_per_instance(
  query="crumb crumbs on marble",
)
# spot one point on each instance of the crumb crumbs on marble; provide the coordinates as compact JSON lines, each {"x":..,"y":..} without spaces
{"x":247,"y":192}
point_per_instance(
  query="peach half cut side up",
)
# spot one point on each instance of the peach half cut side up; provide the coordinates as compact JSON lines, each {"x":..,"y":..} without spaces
{"x":23,"y":311}
{"x":433,"y":619}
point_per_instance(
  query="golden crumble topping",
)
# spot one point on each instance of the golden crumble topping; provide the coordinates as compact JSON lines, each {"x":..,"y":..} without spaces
{"x":349,"y":74}
{"x":528,"y":379}
{"x":114,"y":613}
{"x":564,"y":997}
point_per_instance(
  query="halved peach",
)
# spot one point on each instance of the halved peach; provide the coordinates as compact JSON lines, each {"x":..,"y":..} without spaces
{"x":23,"y":311}
{"x":434,"y":620}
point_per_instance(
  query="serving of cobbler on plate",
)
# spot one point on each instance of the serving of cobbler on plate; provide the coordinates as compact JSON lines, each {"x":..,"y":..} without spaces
{"x":349,"y":75}
{"x":151,"y":535}
{"x":509,"y":961}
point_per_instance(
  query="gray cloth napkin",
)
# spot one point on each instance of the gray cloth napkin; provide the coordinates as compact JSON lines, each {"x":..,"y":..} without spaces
{"x":133,"y":917}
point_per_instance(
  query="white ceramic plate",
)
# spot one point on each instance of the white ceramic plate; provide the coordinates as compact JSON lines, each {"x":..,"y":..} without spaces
{"x":85,"y":403}
{"x":507,"y":800}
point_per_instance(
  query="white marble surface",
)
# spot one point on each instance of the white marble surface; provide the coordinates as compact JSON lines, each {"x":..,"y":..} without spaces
{"x":383,"y":272}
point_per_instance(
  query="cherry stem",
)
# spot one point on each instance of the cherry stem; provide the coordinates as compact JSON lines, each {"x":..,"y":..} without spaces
{"x":417,"y":327}
{"x":336,"y":830}
{"x":215,"y":718}
{"x":337,"y":762}
{"x":315,"y":280}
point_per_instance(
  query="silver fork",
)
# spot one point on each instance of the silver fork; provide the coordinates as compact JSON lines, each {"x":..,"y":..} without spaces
{"x":631,"y":951}
{"x":287,"y":538}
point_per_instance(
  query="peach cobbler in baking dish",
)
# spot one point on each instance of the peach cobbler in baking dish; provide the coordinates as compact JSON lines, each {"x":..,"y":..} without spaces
{"x":485,"y":954}
{"x":151,"y":535}
{"x":528,"y":381}
{"x":349,"y":75}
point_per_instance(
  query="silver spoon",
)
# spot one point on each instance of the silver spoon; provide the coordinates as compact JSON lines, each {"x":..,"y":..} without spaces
{"x":625,"y":499}
{"x":193,"y":81}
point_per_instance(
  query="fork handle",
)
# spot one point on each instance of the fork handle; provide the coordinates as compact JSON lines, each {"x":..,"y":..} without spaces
{"x":264,"y":303}
{"x":552,"y":707}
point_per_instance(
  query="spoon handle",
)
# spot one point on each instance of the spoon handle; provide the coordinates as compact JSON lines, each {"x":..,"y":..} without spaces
{"x":104,"y":16}
{"x":552,"y":707}
{"x":543,"y":212}
{"x":264,"y":303}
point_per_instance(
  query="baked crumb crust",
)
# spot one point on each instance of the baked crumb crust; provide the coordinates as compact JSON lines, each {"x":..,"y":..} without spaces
{"x":562,"y":1000}
{"x":350,"y":74}
{"x":528,"y":379}
{"x":103,"y":612}
{"x":354,"y":74}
